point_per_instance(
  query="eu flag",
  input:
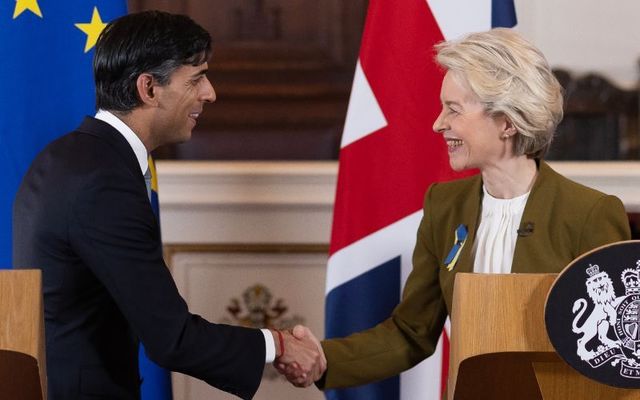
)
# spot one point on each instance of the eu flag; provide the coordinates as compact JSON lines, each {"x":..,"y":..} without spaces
{"x":46,"y":89}
{"x":46,"y":85}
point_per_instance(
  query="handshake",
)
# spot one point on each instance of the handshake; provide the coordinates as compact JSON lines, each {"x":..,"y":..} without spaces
{"x":299,"y":356}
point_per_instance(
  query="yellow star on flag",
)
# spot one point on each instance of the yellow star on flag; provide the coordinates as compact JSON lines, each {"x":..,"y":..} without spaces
{"x":31,"y":5}
{"x":92,"y":29}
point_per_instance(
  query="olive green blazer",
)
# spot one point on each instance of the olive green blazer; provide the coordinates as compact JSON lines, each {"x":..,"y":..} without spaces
{"x":561,"y":220}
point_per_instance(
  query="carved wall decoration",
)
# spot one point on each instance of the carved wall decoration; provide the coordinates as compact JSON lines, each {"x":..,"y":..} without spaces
{"x":258,"y":311}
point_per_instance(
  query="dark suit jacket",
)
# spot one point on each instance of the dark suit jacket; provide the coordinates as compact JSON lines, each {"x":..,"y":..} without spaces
{"x":82,"y":216}
{"x":568,"y":219}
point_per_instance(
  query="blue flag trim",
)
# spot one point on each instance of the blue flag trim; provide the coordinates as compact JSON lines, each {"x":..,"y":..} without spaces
{"x":503,"y":14}
{"x":360,"y":304}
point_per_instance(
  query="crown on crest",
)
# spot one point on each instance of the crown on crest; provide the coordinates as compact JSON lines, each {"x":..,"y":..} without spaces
{"x":631,"y":279}
{"x":593,"y":270}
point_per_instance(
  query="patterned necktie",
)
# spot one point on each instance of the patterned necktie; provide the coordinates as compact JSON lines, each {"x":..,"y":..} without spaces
{"x":147,"y":181}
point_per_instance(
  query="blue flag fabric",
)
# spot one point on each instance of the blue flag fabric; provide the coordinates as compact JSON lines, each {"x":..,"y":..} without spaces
{"x":46,"y":86}
{"x":46,"y":89}
{"x":156,"y":381}
{"x":503,"y":14}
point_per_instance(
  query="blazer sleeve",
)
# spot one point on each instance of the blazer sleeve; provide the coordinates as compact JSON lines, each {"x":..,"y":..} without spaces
{"x":606,"y":222}
{"x":113,"y":230}
{"x":403,"y":340}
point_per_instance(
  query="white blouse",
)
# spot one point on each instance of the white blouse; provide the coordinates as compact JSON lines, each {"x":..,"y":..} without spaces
{"x":497,"y":234}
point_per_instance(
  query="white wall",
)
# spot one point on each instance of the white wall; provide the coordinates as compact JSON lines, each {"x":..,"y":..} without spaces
{"x":586,"y":35}
{"x":246,"y":202}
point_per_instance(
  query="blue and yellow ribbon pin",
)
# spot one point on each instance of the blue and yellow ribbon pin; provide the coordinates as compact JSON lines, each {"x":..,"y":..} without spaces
{"x":458,"y":243}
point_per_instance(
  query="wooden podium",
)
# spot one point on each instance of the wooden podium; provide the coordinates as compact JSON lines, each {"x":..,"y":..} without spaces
{"x":22,"y":355}
{"x":500,"y":348}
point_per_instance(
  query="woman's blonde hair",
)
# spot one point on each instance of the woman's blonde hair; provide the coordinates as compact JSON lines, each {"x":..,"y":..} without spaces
{"x":510,"y":77}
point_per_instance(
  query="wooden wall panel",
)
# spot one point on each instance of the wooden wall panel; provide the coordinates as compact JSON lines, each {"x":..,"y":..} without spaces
{"x":600,"y":120}
{"x":282,"y":70}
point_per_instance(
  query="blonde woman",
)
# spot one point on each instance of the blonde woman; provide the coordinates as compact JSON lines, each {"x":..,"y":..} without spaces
{"x":500,"y":107}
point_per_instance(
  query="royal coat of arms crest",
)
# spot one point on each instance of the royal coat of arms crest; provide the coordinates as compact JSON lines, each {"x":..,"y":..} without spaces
{"x":593,"y":314}
{"x":613,"y":321}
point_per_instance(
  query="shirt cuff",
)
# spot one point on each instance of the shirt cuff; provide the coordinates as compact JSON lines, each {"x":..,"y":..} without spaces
{"x":269,"y":345}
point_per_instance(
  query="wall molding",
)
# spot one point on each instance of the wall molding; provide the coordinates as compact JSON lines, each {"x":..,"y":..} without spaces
{"x":292,"y":202}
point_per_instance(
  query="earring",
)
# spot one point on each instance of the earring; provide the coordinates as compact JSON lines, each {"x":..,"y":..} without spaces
{"x":506,"y":136}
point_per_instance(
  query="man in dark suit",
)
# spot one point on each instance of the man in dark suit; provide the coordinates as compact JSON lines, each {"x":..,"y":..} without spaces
{"x":83,"y":217}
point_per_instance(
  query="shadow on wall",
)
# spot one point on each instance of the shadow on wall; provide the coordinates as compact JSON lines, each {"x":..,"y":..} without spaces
{"x":634,"y":222}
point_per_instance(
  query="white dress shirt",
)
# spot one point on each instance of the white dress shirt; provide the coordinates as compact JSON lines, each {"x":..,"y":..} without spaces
{"x":497,"y":234}
{"x":142,"y":157}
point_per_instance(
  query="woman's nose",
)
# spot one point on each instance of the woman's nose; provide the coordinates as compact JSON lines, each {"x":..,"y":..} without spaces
{"x":438,"y":124}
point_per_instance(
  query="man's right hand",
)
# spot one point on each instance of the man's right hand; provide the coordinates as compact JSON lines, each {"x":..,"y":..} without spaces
{"x":303,"y":361}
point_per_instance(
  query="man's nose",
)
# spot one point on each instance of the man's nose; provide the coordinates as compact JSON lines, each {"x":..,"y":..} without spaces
{"x":209,"y":93}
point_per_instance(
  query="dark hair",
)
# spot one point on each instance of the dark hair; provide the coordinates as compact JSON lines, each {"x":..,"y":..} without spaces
{"x":151,"y":42}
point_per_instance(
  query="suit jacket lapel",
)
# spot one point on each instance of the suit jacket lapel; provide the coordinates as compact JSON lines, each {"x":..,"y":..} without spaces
{"x":542,"y":188}
{"x":470,"y":218}
{"x":101,"y":129}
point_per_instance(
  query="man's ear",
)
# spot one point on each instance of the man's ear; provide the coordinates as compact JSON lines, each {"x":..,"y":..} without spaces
{"x":146,"y":87}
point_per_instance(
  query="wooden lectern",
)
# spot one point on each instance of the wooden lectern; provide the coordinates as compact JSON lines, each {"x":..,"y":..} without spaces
{"x":500,"y":348}
{"x":22,"y":356}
